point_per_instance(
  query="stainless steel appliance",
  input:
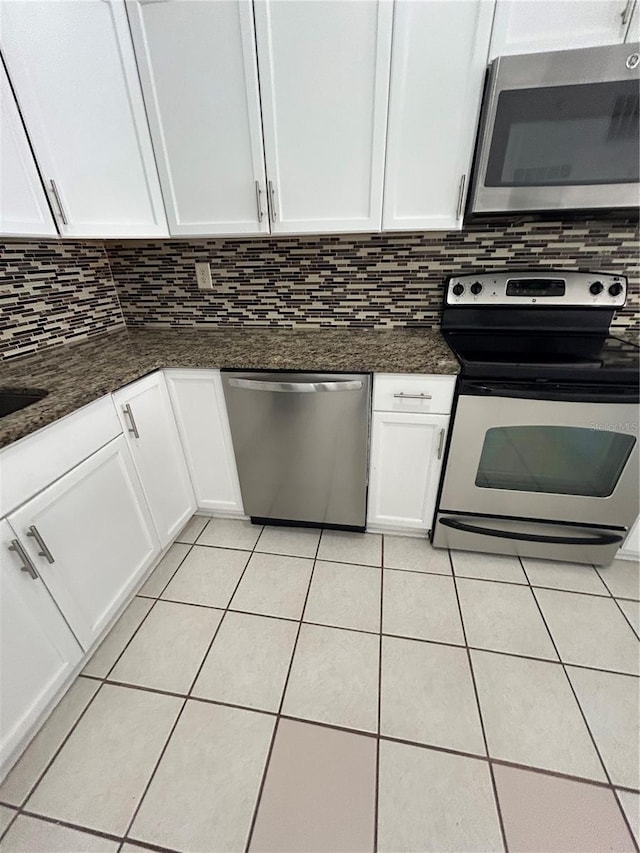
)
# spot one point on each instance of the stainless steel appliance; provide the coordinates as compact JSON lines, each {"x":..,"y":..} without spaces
{"x":543,"y":458}
{"x":301,"y":445}
{"x":560,"y":131}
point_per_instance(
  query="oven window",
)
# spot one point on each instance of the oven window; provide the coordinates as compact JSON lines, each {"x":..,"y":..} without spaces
{"x":554,"y":459}
{"x":564,"y":135}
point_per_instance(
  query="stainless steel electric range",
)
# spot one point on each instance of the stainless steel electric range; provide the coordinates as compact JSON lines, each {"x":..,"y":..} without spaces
{"x":543,"y":455}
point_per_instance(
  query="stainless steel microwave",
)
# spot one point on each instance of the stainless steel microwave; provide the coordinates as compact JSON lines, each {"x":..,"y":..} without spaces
{"x":559,"y":131}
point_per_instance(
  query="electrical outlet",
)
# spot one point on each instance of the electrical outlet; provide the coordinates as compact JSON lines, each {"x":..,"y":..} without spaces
{"x":203,"y":276}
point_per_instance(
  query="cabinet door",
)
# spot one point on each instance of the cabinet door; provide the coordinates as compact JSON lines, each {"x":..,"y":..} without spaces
{"x":406,"y":459}
{"x":23,"y":204}
{"x":201,"y":415}
{"x":37,"y":649}
{"x":145,"y":411}
{"x":74,"y":73}
{"x":429,"y":144}
{"x":97,"y":532}
{"x":324,"y":77}
{"x":530,"y":26}
{"x":199,"y":74}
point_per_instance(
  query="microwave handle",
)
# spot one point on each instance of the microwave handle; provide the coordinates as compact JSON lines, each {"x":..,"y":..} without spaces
{"x":598,"y":539}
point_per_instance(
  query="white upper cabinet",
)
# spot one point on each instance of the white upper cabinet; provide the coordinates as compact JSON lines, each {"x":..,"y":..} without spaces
{"x":23,"y":205}
{"x":530,"y":26}
{"x":324,"y":75}
{"x":197,"y":63}
{"x":438,"y":61}
{"x":77,"y":86}
{"x":146,"y":415}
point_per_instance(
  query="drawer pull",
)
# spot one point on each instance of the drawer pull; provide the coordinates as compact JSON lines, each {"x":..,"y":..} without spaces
{"x":27,"y":565}
{"x":44,"y":551}
{"x":404,"y":396}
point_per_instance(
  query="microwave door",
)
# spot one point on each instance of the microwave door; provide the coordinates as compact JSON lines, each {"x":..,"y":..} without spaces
{"x":559,"y":140}
{"x":561,"y":461}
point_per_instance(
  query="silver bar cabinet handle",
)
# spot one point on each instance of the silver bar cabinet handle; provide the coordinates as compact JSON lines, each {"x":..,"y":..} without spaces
{"x":133,"y":429}
{"x":403,"y":396}
{"x":27,"y":566}
{"x":259,"y":201}
{"x":54,"y":190}
{"x":441,"y":444}
{"x":300,"y":387}
{"x":272,"y":200}
{"x":460,"y":196}
{"x":44,"y":551}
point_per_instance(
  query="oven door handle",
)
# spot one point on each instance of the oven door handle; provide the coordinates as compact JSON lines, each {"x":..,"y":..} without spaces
{"x":598,"y":539}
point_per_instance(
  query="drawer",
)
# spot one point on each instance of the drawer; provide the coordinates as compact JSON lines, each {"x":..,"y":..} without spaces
{"x":406,"y":392}
{"x":34,"y":462}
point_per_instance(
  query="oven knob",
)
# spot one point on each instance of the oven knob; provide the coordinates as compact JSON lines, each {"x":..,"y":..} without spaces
{"x":596,"y":288}
{"x":615,"y":289}
{"x":476,"y":287}
{"x":458,"y":289}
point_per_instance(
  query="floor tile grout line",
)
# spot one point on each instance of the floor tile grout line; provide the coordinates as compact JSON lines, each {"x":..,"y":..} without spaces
{"x":48,"y":765}
{"x":494,"y":786}
{"x":265,"y":771}
{"x":376,"y":805}
{"x":628,"y":621}
{"x":146,"y":616}
{"x":588,"y":727}
{"x":188,"y":694}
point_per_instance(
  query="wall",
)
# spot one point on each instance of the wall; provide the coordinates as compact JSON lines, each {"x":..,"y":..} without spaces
{"x":362,"y":281}
{"x":53,"y":293}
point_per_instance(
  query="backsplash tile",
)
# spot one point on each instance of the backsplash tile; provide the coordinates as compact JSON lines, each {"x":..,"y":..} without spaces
{"x":54,"y":292}
{"x":366,"y":281}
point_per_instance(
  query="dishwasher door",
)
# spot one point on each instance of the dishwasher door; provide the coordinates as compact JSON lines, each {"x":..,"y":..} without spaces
{"x":301,"y":444}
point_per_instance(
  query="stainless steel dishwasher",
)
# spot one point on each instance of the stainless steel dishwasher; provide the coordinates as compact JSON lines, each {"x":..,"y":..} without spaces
{"x":301,"y":444}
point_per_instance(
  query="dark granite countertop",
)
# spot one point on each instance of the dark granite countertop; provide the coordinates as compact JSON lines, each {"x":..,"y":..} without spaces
{"x":76,"y":375}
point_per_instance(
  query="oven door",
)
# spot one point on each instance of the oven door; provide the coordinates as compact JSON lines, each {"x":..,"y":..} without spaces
{"x":544,"y":459}
{"x":560,"y":130}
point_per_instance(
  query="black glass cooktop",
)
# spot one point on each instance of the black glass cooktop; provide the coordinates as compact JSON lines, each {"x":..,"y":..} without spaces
{"x":583,"y":357}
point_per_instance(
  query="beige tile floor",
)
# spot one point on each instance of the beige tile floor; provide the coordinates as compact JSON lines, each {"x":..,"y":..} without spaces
{"x":291,"y":690}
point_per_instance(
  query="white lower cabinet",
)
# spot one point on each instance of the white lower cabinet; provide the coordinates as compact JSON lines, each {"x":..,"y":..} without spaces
{"x":37,"y":649}
{"x":144,"y":409}
{"x":90,"y":537}
{"x":408,"y":436}
{"x":201,"y":414}
{"x":406,"y":459}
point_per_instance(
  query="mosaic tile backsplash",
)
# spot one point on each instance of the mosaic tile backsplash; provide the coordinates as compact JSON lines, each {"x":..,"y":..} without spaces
{"x":53,"y":293}
{"x":59,"y":292}
{"x":366,"y":281}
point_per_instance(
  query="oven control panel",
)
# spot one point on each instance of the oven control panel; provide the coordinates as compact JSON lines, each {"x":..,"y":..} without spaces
{"x":560,"y":288}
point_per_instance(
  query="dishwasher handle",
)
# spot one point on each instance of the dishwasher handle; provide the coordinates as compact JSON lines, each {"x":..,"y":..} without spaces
{"x":296,"y":387}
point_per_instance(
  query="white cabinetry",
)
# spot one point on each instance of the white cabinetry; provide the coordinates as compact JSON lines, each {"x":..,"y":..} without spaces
{"x":23,"y":205}
{"x":90,"y":537}
{"x":146,"y":415}
{"x":630,"y":549}
{"x":74,"y":72}
{"x":201,"y":415}
{"x":37,"y":650}
{"x":529,"y":26}
{"x":439,"y":56}
{"x":199,"y":75}
{"x":324,"y":77}
{"x":408,"y":435}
